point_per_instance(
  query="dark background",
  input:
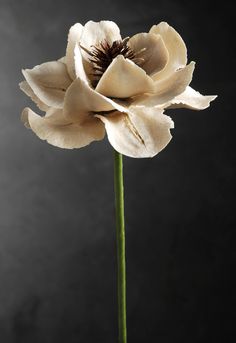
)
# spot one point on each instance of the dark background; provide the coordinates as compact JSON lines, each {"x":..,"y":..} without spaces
{"x":57,"y":232}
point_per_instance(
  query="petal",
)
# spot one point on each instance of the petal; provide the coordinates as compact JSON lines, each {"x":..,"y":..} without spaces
{"x":79,"y":67}
{"x":155,"y":54}
{"x":143,"y":132}
{"x":62,"y":59}
{"x":191,"y":99}
{"x":124,"y":79}
{"x":168,"y":88}
{"x":81,"y":101}
{"x":73,"y":38}
{"x":96,"y":32}
{"x":63,"y":134}
{"x":175,"y":46}
{"x":25,"y":87}
{"x":49,"y":82}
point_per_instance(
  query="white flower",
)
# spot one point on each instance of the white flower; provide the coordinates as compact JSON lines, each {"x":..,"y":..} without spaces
{"x":106,"y":83}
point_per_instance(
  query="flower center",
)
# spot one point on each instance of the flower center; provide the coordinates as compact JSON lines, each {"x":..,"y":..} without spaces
{"x":103,"y":54}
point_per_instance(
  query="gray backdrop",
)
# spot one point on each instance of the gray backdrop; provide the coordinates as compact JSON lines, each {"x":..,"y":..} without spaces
{"x":57,"y":233}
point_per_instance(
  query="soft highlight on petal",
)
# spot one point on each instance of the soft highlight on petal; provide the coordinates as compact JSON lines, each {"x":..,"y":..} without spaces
{"x":79,"y":67}
{"x":155,"y":54}
{"x":140,"y":132}
{"x":64,"y":135}
{"x":176,"y":48}
{"x":73,"y":39}
{"x":49,"y":82}
{"x":124,"y":79}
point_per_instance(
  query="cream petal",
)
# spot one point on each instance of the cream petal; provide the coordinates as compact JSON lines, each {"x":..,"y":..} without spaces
{"x":81,"y":101}
{"x":25,"y":87}
{"x":191,"y":99}
{"x":96,"y":32}
{"x":124,"y":79}
{"x":142,"y":132}
{"x":168,"y":88}
{"x":175,"y":46}
{"x":62,"y":59}
{"x":155,"y":54}
{"x":63,"y":134}
{"x":73,"y":39}
{"x":49,"y":82}
{"x":79,"y":67}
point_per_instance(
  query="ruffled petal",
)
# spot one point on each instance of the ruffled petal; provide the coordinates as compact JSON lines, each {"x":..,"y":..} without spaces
{"x":124,"y":79}
{"x":25,"y":87}
{"x":49,"y":82}
{"x":81,"y":102}
{"x":142,"y":132}
{"x":175,"y":46}
{"x":95,"y":33}
{"x":191,"y":99}
{"x":168,"y":88}
{"x":73,"y":39}
{"x":63,"y":134}
{"x":155,"y":54}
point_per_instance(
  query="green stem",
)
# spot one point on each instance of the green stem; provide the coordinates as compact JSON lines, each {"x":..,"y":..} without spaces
{"x":120,"y":237}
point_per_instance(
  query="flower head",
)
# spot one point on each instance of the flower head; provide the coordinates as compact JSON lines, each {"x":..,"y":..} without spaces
{"x":106,"y":83}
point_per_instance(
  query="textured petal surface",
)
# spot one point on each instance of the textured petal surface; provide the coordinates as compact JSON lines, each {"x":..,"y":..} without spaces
{"x":49,"y":82}
{"x":25,"y":87}
{"x":73,"y":39}
{"x":124,"y":79}
{"x":175,"y":46}
{"x":191,"y":99}
{"x":168,"y":88}
{"x":155,"y":54}
{"x":63,"y":134}
{"x":81,"y":101}
{"x":142,"y":132}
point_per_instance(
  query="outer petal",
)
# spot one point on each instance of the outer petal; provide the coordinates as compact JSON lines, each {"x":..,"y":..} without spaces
{"x":124,"y":79}
{"x":25,"y":87}
{"x":49,"y":82}
{"x":175,"y":46}
{"x":73,"y":39}
{"x":168,"y":88}
{"x":191,"y":99}
{"x":155,"y":54}
{"x":96,"y":32}
{"x":81,"y":101}
{"x":143,"y":132}
{"x":63,"y":134}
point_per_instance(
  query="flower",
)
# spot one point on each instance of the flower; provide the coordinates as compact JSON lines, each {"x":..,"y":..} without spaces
{"x":106,"y":83}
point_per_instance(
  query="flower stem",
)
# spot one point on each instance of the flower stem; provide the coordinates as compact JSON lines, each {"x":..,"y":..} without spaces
{"x":120,"y":238}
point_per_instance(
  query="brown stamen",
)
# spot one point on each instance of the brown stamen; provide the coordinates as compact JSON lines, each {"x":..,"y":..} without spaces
{"x":103,"y":54}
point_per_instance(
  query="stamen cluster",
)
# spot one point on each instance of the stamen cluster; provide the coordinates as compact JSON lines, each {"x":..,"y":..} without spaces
{"x":103,"y":54}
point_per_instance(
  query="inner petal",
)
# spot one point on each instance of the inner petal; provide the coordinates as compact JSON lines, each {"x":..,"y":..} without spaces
{"x":175,"y":46}
{"x":96,"y":32}
{"x":124,"y":79}
{"x":151,"y":49}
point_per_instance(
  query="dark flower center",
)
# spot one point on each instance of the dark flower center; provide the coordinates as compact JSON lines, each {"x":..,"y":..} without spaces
{"x":103,"y":54}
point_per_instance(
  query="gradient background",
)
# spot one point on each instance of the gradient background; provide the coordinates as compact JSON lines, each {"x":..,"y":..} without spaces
{"x":57,"y":232}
